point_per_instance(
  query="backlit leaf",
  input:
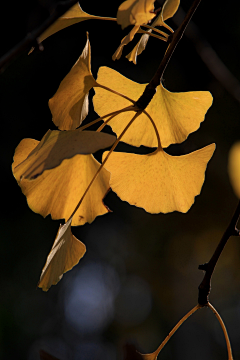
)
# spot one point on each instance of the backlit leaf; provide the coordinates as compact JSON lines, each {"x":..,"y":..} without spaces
{"x":69,"y":106}
{"x":125,"y":41}
{"x":66,"y":252}
{"x":138,"y":48}
{"x":159,"y":182}
{"x":58,"y":191}
{"x":234,"y":168}
{"x":168,"y":10}
{"x":57,"y":146}
{"x":176,"y":115}
{"x":72,"y":16}
{"x":135,"y":12}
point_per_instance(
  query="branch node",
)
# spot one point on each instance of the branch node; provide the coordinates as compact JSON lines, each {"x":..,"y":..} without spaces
{"x":203,"y":267}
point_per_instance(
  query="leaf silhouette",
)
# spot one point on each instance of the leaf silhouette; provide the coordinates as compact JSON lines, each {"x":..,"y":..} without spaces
{"x":66,"y":252}
{"x":176,"y":115}
{"x":135,"y":12}
{"x":58,"y":190}
{"x":69,"y":106}
{"x":234,"y":168}
{"x":159,"y":182}
{"x":57,"y":146}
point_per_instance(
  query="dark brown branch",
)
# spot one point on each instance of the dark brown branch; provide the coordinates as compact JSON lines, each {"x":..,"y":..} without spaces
{"x":150,"y":89}
{"x":205,"y":286}
{"x":31,"y":38}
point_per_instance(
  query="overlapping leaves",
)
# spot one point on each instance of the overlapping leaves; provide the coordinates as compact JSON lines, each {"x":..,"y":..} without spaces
{"x":59,"y":174}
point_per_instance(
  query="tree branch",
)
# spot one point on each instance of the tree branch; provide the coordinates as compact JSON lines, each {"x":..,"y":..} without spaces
{"x":31,"y":38}
{"x":205,"y":286}
{"x":174,"y":39}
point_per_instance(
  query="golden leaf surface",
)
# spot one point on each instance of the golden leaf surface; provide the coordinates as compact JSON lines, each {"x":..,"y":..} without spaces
{"x":57,"y":191}
{"x":176,"y":115}
{"x":69,"y":106}
{"x":159,"y":182}
{"x":57,"y":146}
{"x":66,"y":252}
{"x":135,"y":12}
{"x":72,"y":16}
{"x":234,"y":168}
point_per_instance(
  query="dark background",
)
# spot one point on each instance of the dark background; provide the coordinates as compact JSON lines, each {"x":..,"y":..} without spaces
{"x":140,"y":273}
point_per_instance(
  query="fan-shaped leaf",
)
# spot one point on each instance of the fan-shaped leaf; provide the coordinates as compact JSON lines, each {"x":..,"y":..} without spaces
{"x":176,"y":115}
{"x":69,"y":106}
{"x":234,"y":168}
{"x":66,"y":252}
{"x":159,"y":182}
{"x":57,"y":191}
{"x":57,"y":146}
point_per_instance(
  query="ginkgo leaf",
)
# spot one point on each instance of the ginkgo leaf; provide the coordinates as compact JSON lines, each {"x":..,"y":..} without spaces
{"x":58,"y":191}
{"x":57,"y":146}
{"x":72,"y":16}
{"x":69,"y":106}
{"x":159,"y":182}
{"x":234,"y":168}
{"x":176,"y":115}
{"x":168,"y":10}
{"x":138,"y":48}
{"x":125,"y":41}
{"x":66,"y":252}
{"x":135,"y":12}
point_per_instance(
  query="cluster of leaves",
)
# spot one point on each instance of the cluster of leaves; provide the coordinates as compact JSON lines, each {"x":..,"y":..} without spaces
{"x":59,"y":174}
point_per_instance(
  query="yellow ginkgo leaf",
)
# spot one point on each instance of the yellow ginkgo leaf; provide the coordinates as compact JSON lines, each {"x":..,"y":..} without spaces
{"x":66,"y":252}
{"x":168,"y":10}
{"x":125,"y":41}
{"x":69,"y":106}
{"x":176,"y":115}
{"x":234,"y":168}
{"x":57,"y":146}
{"x":135,"y":12}
{"x":72,"y":16}
{"x":58,"y":191}
{"x":159,"y":182}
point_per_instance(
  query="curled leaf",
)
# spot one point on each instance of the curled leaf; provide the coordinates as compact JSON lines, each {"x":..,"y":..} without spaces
{"x":175,"y":115}
{"x":159,"y":182}
{"x":125,"y":41}
{"x":57,"y":146}
{"x":168,"y":10}
{"x":66,"y":252}
{"x":58,"y":190}
{"x":135,"y":12}
{"x":234,"y":168}
{"x":69,"y":106}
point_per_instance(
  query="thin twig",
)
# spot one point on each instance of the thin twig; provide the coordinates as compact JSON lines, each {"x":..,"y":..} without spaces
{"x":205,"y":286}
{"x":150,"y":89}
{"x":30,"y":40}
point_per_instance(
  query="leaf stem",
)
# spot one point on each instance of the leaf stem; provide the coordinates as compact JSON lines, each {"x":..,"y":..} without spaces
{"x":151,"y":34}
{"x":155,"y":29}
{"x":156,"y":130}
{"x":176,"y":327}
{"x":103,"y":163}
{"x":205,"y":286}
{"x":112,"y":114}
{"x":229,"y":349}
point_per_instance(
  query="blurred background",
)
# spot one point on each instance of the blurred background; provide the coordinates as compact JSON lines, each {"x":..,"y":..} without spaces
{"x":140,"y":273}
